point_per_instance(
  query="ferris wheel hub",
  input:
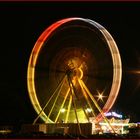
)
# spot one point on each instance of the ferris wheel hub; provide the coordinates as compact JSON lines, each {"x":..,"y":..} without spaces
{"x":75,"y":74}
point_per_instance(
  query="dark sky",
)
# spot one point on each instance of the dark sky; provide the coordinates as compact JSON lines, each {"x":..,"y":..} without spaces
{"x":22,"y":23}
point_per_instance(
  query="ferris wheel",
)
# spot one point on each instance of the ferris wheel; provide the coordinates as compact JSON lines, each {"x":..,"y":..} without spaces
{"x":74,"y":72}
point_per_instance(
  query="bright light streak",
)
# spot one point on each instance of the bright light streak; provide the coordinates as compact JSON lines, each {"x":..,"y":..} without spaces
{"x":115,"y":124}
{"x":134,"y":71}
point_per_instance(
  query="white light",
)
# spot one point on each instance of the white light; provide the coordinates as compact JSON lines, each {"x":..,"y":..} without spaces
{"x":63,"y":110}
{"x":107,"y":114}
{"x":115,"y":124}
{"x":113,"y":114}
{"x":100,"y":96}
{"x":88,"y":109}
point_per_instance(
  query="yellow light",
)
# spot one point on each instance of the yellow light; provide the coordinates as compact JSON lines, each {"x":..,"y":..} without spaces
{"x":81,"y":73}
{"x":63,"y":110}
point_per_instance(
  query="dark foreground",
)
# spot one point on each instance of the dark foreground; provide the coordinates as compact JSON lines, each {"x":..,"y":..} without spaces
{"x":61,"y":136}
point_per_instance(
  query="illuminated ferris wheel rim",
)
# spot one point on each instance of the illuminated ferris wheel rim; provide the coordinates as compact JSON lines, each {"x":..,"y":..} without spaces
{"x":117,"y":67}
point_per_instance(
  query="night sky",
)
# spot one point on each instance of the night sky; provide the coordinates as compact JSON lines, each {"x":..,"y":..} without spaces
{"x":22,"y":23}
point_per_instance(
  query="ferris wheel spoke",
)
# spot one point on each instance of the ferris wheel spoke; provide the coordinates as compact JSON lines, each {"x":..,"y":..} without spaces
{"x":74,"y":94}
{"x":59,"y":85}
{"x":68,"y":111}
{"x":56,"y":99}
{"x":67,"y":93}
{"x":73,"y":103}
{"x":97,"y":106}
{"x":91,"y":96}
{"x":86,"y":97}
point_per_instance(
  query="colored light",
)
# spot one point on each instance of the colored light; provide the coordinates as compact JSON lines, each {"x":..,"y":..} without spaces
{"x":113,"y":114}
